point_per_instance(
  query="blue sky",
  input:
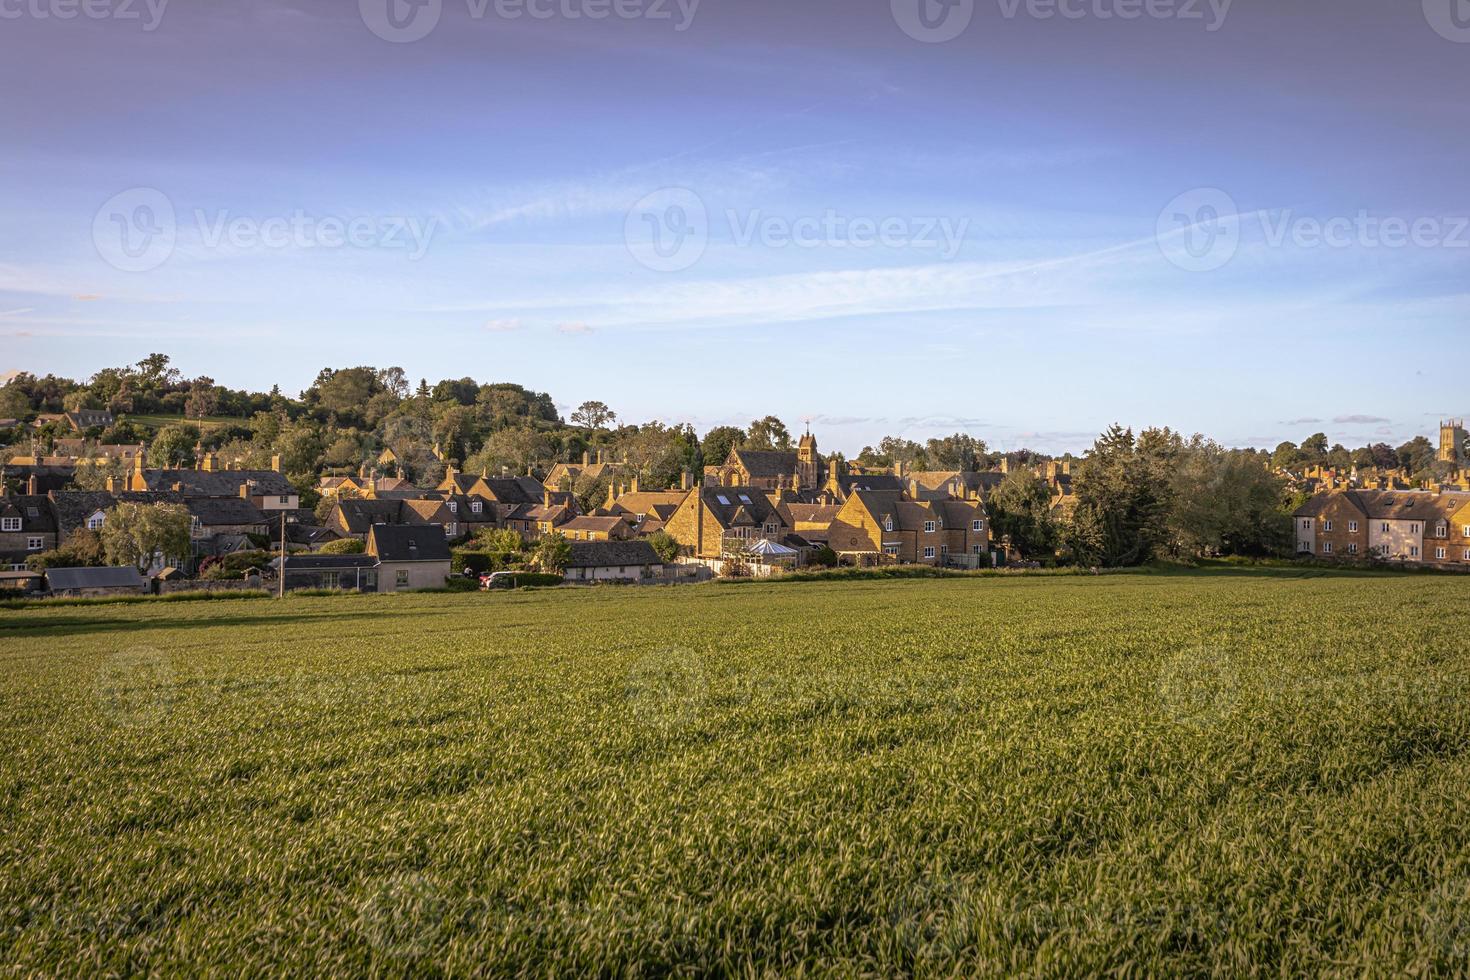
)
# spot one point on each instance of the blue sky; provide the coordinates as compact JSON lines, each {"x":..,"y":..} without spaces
{"x":1034,"y":283}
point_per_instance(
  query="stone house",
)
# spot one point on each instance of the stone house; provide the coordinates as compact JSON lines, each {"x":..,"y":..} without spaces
{"x":715,"y":518}
{"x":876,"y":527}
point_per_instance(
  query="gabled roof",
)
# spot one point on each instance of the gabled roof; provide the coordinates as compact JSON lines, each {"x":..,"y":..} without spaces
{"x":612,"y":554}
{"x":822,"y":514}
{"x":359,"y":515}
{"x":1320,"y":503}
{"x":730,"y":504}
{"x":662,"y":503}
{"x":35,"y":513}
{"x":220,"y":483}
{"x":402,"y":543}
{"x":1399,"y":505}
{"x":214,"y":511}
{"x":765,"y":463}
{"x":93,"y":578}
{"x":602,"y":524}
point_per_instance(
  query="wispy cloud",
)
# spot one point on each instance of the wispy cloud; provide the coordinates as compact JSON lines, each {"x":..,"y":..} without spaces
{"x":1302,"y":422}
{"x":574,"y":328}
{"x":1360,"y":420}
{"x":503,"y":326}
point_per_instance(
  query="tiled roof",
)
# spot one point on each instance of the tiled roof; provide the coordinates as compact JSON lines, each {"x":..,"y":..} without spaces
{"x":220,"y":483}
{"x":402,"y":543}
{"x":612,"y":554}
{"x":767,"y":463}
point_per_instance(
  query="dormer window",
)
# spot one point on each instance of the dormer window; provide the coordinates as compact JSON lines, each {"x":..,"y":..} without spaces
{"x":476,"y":507}
{"x":888,"y":523}
{"x":454,"y":507}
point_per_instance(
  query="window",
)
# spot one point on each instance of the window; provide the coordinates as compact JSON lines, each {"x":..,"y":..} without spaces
{"x":94,"y":523}
{"x":977,"y":526}
{"x":1441,"y":532}
{"x":1414,"y":528}
{"x":770,"y":528}
{"x":890,"y":549}
{"x":1467,"y":530}
{"x":976,"y":550}
{"x":402,"y":578}
{"x":451,"y":529}
{"x":1467,"y":554}
{"x":1326,"y":525}
{"x":1413,"y":552}
{"x":1353,"y":549}
{"x":944,"y":550}
{"x":888,"y":523}
{"x":1439,"y":553}
{"x":744,"y":499}
{"x":1326,"y":547}
{"x":10,"y":524}
{"x":1386,"y":528}
{"x":724,"y":501}
{"x":929,"y":529}
{"x":285,"y":500}
{"x":476,"y":507}
{"x":929,"y":552}
{"x":1353,"y":526}
{"x":35,"y":544}
{"x":1306,"y":524}
{"x":454,"y":507}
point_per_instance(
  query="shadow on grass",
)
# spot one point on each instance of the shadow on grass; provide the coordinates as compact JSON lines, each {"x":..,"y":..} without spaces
{"x":1284,"y":570}
{"x":48,"y":626}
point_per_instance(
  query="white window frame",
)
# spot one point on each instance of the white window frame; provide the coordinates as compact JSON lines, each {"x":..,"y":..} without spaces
{"x":888,"y":524}
{"x":476,"y":507}
{"x":10,"y":524}
{"x":35,"y":544}
{"x":1326,"y":547}
{"x":1353,"y":526}
{"x":929,"y":552}
{"x":929,"y":529}
{"x":1439,"y":554}
{"x":1353,"y":548}
{"x":1326,"y":525}
{"x":95,"y":522}
{"x":979,"y":525}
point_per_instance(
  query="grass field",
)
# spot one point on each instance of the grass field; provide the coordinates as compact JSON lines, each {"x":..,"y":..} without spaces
{"x":1225,"y":773}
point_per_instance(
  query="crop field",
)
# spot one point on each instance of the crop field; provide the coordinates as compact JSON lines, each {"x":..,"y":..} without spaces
{"x":1163,"y":774}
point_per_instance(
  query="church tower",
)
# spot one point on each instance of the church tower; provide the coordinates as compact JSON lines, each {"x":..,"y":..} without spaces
{"x":808,"y":463}
{"x":1452,"y":442}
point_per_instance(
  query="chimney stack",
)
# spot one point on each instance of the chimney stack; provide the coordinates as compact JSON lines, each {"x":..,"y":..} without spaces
{"x":686,"y":481}
{"x":31,"y":485}
{"x":635,"y":483}
{"x":276,"y":463}
{"x":586,"y":458}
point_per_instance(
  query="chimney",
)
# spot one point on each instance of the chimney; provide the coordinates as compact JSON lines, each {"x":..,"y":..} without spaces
{"x":635,"y":483}
{"x":546,"y":496}
{"x":599,"y":457}
{"x":686,"y":481}
{"x":276,"y":463}
{"x":586,"y":458}
{"x":31,"y":486}
{"x":111,"y":485}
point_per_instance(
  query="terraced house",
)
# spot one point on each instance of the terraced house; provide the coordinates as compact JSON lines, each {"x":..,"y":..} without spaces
{"x":27,"y":527}
{"x":1386,"y":525}
{"x":715,"y":519}
{"x":881,"y":527}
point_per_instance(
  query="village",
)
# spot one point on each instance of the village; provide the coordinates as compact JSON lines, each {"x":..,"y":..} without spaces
{"x":758,"y":513}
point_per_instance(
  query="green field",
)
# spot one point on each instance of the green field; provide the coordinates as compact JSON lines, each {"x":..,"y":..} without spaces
{"x":1138,"y":774}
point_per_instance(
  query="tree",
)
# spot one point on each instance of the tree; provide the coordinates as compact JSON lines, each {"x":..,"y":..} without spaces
{"x":203,"y":399}
{"x":1227,"y":503}
{"x":1287,"y":457}
{"x":14,"y":403}
{"x":719,"y":441}
{"x":552,"y":554}
{"x":1121,"y":506}
{"x":768,"y":433}
{"x":1418,"y":456}
{"x":1315,"y":445}
{"x":346,"y":546}
{"x":664,"y":544}
{"x":957,"y":452}
{"x":501,"y":541}
{"x":83,"y":549}
{"x":1020,"y":509}
{"x":173,"y":447}
{"x":140,"y":534}
{"x":593,"y":415}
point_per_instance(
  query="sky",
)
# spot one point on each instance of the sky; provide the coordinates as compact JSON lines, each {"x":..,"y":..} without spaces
{"x":1021,"y":219}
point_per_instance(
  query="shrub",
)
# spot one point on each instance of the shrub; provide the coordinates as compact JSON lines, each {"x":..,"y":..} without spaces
{"x":346,"y":546}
